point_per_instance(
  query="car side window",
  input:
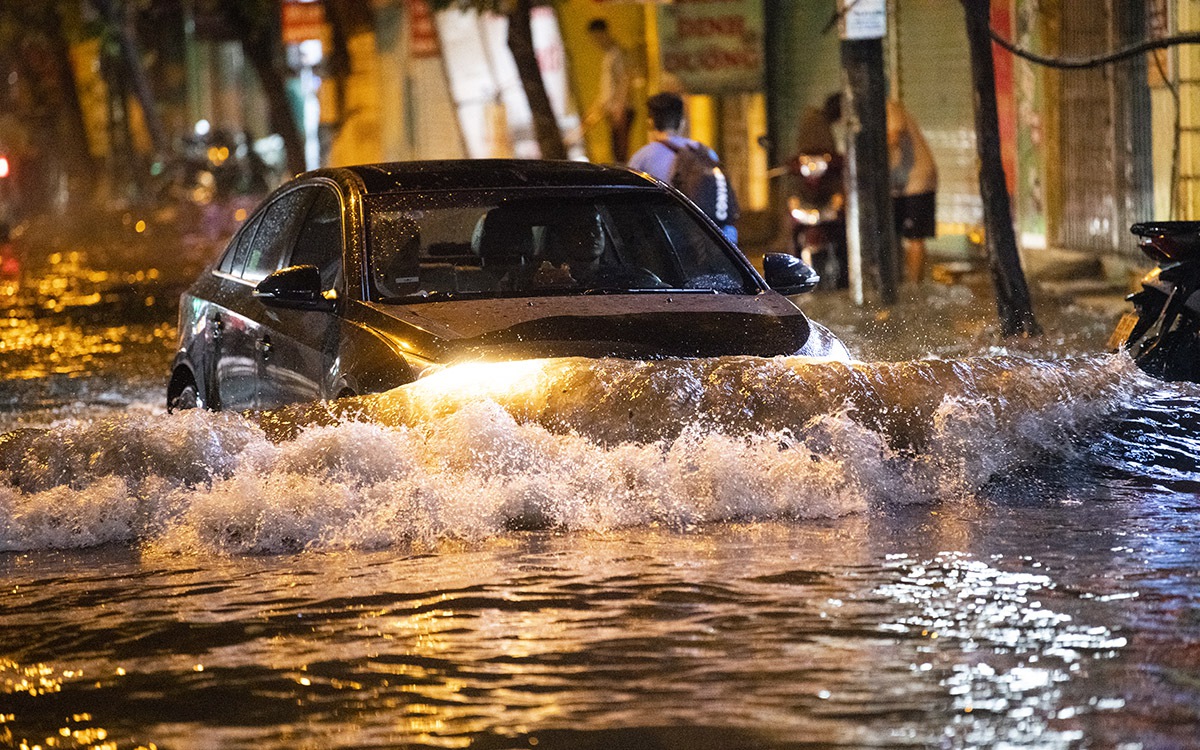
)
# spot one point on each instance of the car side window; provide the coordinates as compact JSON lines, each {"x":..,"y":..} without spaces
{"x":276,"y":233}
{"x":320,"y":241}
{"x":234,"y":259}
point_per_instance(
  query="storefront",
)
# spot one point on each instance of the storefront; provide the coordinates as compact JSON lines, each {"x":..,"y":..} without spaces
{"x":445,"y":86}
{"x":931,"y":74}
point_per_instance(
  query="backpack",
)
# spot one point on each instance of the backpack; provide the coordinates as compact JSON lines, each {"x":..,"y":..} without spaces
{"x":698,"y":175}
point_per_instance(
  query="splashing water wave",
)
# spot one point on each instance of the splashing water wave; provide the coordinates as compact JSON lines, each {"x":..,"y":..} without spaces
{"x":577,"y":444}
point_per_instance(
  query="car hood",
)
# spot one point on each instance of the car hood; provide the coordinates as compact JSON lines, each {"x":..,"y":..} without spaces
{"x":620,"y":325}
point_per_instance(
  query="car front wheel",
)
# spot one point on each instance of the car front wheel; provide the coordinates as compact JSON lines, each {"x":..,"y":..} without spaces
{"x":183,"y":395}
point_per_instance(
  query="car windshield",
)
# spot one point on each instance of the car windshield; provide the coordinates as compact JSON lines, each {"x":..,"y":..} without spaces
{"x":484,"y":243}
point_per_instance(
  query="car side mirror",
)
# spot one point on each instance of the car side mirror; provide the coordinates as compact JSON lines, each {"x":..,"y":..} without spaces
{"x":295,"y":287}
{"x":788,"y":275}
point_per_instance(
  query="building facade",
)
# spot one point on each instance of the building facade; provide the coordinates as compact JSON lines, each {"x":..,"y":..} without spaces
{"x":1087,"y":152}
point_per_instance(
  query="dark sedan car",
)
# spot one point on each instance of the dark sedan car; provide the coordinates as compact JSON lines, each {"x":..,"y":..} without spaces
{"x":359,"y":279}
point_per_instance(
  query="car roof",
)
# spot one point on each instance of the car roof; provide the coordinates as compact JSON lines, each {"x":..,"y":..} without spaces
{"x":404,"y":176}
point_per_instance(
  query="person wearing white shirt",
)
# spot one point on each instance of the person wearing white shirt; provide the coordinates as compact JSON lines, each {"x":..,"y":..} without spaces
{"x":613,"y":102}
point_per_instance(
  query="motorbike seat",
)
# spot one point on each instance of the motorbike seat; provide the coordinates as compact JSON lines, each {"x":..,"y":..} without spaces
{"x":1169,"y":240}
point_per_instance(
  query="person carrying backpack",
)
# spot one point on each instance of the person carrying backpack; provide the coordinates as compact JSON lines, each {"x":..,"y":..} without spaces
{"x":689,"y":166}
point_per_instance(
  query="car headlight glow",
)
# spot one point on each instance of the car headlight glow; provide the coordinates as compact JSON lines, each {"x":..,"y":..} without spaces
{"x":481,"y":379}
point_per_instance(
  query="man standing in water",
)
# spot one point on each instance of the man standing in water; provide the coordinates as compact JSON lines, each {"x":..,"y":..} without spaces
{"x":914,"y":186}
{"x":612,"y":104}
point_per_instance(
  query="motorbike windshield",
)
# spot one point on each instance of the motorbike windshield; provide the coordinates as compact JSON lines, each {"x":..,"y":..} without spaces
{"x":451,"y":244}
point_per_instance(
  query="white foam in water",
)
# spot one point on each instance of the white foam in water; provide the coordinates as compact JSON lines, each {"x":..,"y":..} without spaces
{"x":572,"y":444}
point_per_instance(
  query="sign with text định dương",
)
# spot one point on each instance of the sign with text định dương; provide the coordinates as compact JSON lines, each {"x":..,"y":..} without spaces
{"x":713,"y":46}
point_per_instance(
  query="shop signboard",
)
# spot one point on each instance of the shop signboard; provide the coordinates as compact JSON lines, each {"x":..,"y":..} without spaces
{"x":493,"y":111}
{"x":713,"y":46}
{"x":863,"y":19}
{"x":302,"y":21}
{"x":423,"y":39}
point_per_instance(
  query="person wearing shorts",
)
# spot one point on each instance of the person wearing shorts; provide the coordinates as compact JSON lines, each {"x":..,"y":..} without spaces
{"x":914,"y":188}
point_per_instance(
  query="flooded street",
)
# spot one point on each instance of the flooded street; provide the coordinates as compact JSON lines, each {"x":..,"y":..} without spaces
{"x":959,"y":541}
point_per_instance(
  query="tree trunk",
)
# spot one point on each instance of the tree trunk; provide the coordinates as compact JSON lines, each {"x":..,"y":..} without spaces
{"x":337,"y":65}
{"x":76,"y":150}
{"x":254,"y":23}
{"x":1012,"y":293}
{"x":259,"y":50}
{"x":121,"y":156}
{"x":345,"y":18}
{"x":121,"y":23}
{"x":520,"y":43}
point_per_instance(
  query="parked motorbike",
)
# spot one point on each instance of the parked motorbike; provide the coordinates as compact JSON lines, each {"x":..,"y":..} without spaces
{"x":1163,"y":333}
{"x":817,"y":215}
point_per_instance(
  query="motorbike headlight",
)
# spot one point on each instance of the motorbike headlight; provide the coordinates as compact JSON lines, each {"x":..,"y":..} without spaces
{"x":806,"y":216}
{"x":811,"y":167}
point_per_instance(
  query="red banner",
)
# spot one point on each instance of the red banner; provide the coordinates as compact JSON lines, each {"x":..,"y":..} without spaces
{"x":423,"y":37}
{"x":302,"y":21}
{"x":1006,"y":104}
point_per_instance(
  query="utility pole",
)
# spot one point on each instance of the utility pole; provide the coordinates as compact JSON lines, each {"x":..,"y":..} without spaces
{"x":870,"y":229}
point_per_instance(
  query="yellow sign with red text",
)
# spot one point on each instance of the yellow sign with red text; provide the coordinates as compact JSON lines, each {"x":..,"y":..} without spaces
{"x":713,"y":46}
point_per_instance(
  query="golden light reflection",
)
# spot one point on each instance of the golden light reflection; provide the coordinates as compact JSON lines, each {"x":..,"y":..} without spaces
{"x":34,"y":349}
{"x":34,"y":679}
{"x":440,"y":710}
{"x":70,"y":736}
{"x":38,"y":343}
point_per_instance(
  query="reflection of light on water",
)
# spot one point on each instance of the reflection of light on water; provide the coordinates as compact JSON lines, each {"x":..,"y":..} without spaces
{"x":35,"y":679}
{"x":41,"y":679}
{"x":1013,"y":654}
{"x":38,"y":341}
{"x":442,"y":700}
{"x":48,"y":348}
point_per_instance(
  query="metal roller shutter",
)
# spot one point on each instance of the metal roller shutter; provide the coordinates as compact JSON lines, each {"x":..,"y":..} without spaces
{"x":1105,"y":130}
{"x":934,"y":80}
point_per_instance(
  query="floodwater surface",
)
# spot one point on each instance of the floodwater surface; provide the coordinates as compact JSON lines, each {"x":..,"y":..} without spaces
{"x":989,"y":546}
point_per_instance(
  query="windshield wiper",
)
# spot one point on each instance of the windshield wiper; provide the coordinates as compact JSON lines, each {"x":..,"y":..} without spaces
{"x":437,"y":296}
{"x":609,"y":290}
{"x":641,"y":290}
